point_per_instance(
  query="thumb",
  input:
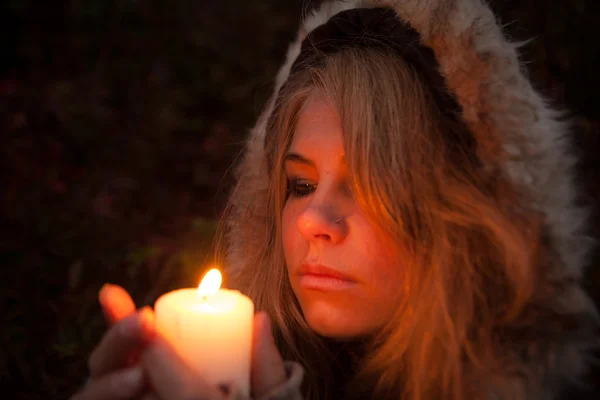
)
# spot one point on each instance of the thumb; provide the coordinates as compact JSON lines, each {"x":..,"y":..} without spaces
{"x":268,"y":370}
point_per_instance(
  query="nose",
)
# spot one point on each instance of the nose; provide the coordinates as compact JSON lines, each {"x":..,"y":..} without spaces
{"x":316,"y":223}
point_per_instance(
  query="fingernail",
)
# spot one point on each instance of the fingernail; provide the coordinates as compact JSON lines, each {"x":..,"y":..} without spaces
{"x":129,"y":381}
{"x":104,"y":290}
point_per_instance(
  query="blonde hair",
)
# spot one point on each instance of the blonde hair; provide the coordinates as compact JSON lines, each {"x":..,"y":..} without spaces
{"x":471,"y":241}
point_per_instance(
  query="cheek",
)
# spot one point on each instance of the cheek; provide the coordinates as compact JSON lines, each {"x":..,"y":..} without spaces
{"x":392,"y":277}
{"x":386,"y":261}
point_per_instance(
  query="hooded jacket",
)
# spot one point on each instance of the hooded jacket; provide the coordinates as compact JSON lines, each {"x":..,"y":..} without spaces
{"x":482,"y":71}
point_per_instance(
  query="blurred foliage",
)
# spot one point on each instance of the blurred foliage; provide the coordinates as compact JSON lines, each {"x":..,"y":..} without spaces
{"x":121,"y":120}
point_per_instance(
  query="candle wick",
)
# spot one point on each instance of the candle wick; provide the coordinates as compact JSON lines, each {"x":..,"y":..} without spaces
{"x":203,"y":298}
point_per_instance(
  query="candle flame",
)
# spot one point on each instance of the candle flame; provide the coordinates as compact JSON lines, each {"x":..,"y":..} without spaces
{"x":210,"y":283}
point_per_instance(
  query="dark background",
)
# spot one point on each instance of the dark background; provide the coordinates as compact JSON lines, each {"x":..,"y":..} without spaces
{"x":120,"y":121}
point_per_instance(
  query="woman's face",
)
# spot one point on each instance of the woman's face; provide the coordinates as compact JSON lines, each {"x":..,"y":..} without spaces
{"x":345,"y":272}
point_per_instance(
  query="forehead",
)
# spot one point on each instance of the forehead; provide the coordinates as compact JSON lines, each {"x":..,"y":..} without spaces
{"x":318,"y":128}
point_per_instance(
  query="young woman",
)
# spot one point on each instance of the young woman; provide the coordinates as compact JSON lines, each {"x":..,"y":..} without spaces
{"x":405,"y":215}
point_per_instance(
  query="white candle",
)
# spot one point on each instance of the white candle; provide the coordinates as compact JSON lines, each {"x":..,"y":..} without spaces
{"x":211,"y":329}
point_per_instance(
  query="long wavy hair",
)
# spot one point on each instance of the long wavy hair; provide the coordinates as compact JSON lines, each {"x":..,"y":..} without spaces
{"x":471,"y":239}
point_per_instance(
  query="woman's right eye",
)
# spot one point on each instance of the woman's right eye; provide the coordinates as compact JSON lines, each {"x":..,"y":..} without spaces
{"x":300,"y":187}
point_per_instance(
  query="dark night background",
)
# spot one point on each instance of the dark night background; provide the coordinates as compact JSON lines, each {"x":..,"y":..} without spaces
{"x":120,"y":121}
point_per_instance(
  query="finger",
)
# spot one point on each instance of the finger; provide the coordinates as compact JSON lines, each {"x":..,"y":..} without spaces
{"x":171,"y":378}
{"x":116,"y":302}
{"x":120,"y":385}
{"x":268,"y":370}
{"x":121,"y":342}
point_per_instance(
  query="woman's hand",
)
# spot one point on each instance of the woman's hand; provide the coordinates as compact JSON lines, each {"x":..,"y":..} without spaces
{"x":134,"y":362}
{"x":113,"y":373}
{"x":267,"y":369}
{"x":172,"y":379}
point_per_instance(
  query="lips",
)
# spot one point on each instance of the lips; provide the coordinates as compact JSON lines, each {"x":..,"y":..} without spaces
{"x":322,"y":271}
{"x":321,"y":278}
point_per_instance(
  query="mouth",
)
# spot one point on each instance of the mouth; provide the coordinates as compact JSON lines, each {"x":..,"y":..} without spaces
{"x":321,"y":278}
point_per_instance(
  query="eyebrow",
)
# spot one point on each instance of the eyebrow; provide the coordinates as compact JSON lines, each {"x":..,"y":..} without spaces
{"x":295,"y":157}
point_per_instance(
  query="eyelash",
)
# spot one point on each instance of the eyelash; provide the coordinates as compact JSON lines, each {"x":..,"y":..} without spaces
{"x":300,"y":188}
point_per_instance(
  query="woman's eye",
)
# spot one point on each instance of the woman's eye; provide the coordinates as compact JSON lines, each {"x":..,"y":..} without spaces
{"x":300,"y":187}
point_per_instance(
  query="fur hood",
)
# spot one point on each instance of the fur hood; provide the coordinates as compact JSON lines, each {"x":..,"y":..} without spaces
{"x":550,"y":346}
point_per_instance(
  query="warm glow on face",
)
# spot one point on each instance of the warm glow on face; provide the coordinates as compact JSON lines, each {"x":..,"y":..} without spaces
{"x":322,"y":224}
{"x":210,"y":283}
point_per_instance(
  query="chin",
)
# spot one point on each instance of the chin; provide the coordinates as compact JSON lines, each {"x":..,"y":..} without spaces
{"x":335,"y":324}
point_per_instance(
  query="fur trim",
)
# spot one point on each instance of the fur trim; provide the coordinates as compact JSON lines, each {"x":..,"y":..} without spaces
{"x":483,"y":71}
